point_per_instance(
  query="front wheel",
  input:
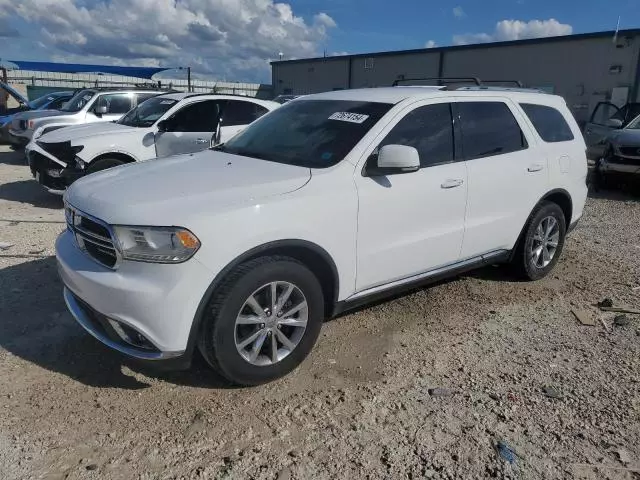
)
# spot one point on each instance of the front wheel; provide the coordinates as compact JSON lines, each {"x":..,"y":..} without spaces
{"x":263,"y":321}
{"x":541,"y":245}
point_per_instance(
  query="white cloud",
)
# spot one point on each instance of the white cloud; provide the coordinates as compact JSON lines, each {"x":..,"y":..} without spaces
{"x":516,"y":30}
{"x":458,"y":12}
{"x":229,"y":39}
{"x":430,"y":44}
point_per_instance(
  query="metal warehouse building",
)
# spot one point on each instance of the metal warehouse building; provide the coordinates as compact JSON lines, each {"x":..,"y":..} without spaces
{"x":585,"y":69}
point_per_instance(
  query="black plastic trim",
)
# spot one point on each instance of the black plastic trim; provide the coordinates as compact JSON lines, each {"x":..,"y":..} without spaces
{"x":346,"y":305}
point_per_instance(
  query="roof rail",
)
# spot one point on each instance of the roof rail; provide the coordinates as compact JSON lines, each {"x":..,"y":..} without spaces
{"x":473,"y":80}
{"x":517,"y":83}
{"x":440,"y":80}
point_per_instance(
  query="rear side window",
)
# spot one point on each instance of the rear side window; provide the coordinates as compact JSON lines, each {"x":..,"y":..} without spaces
{"x":549,"y":122}
{"x":429,"y":130}
{"x":238,"y":112}
{"x":489,"y":128}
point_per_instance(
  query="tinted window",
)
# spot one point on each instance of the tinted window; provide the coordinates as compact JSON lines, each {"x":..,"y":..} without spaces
{"x":549,"y":122}
{"x":429,"y":130}
{"x":141,"y":97}
{"x":605,"y":112}
{"x":58,"y":103}
{"x":237,"y":112}
{"x":78,"y":101}
{"x":115,"y":102}
{"x":196,"y":117}
{"x":489,"y":128}
{"x":147,"y":113}
{"x":309,"y":133}
{"x":41,"y":102}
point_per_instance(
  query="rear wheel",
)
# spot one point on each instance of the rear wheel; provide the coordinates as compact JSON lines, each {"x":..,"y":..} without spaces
{"x":104,"y":164}
{"x":263,"y":321}
{"x":541,"y":245}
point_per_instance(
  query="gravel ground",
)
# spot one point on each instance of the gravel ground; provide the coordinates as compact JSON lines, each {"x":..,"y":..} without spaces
{"x":427,"y":385}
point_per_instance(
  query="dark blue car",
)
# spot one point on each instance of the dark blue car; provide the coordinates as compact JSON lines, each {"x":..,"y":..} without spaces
{"x":51,"y":101}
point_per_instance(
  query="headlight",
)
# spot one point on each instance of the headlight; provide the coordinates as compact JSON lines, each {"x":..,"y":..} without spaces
{"x":156,"y":244}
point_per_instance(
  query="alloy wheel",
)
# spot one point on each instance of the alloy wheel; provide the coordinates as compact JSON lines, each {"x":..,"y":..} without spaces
{"x":271,"y":323}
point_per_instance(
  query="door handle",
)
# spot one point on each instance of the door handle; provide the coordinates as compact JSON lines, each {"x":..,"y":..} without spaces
{"x":202,"y":140}
{"x":452,"y":183}
{"x":536,"y":167}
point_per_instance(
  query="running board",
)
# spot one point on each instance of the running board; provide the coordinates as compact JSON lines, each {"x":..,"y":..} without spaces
{"x":389,"y":289}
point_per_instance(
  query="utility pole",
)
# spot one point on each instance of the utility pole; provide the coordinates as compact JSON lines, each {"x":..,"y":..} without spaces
{"x":189,"y":79}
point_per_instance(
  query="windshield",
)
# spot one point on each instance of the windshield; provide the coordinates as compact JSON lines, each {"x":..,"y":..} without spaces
{"x":41,"y":102}
{"x":308,"y":133}
{"x":78,"y":101}
{"x":148,"y":112}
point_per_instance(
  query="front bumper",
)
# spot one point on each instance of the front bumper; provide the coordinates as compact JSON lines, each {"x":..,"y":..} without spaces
{"x":158,"y":302}
{"x":53,"y":176}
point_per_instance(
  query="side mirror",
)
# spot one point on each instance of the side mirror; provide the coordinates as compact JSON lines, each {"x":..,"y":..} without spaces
{"x":392,"y":160}
{"x":100,"y":110}
{"x":614,"y":123}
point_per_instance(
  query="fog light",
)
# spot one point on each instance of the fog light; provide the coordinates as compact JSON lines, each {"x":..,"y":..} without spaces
{"x":131,"y":336}
{"x":54,"y":173}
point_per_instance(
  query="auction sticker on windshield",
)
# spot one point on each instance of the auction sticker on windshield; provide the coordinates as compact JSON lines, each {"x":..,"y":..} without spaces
{"x":349,"y":117}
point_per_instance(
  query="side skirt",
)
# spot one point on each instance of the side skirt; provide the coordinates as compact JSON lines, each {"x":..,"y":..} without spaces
{"x":390,"y":289}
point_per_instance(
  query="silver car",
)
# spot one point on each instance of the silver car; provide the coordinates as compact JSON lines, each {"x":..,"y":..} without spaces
{"x":621,"y":154}
{"x":87,"y":106}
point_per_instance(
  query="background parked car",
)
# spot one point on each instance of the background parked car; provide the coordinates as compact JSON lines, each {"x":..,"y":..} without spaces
{"x":165,"y":125}
{"x":620,"y":161}
{"x":87,"y":106}
{"x":51,"y":101}
{"x":605,"y":119}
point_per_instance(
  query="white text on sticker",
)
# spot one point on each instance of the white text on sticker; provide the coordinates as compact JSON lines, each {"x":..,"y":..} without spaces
{"x":349,"y":117}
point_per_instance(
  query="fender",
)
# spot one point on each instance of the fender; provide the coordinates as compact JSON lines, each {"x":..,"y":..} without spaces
{"x":254,"y":252}
{"x":117,"y":151}
{"x":555,"y":191}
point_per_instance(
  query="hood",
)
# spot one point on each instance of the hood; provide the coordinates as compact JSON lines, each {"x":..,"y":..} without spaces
{"x":174,"y":190}
{"x":14,"y":93}
{"x":77,"y":132}
{"x":35,"y":114}
{"x":626,"y":138}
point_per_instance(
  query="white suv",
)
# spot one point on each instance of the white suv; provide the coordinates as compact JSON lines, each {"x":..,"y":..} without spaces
{"x":165,"y":125}
{"x":326,"y":203}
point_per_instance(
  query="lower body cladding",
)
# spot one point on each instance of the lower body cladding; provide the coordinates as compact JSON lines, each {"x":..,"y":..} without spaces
{"x":53,"y":176}
{"x":143,"y":310}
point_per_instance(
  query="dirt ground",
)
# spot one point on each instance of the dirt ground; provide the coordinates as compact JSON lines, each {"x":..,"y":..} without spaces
{"x":447,"y":382}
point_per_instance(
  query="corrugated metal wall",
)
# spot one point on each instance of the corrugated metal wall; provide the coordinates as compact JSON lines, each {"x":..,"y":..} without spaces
{"x":583,"y":70}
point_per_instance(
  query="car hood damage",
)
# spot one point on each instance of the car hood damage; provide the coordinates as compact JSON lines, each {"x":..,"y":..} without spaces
{"x":76,"y":133}
{"x":171,"y":191}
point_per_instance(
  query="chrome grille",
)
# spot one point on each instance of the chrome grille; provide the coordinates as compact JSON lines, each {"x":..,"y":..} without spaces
{"x":92,"y":236}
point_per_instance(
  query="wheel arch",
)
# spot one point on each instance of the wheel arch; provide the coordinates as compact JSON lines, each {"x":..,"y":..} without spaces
{"x":316,"y":258}
{"x":125,"y":157}
{"x":560,"y":197}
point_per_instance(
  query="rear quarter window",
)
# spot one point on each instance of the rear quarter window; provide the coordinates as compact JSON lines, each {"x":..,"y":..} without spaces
{"x":548,"y":122}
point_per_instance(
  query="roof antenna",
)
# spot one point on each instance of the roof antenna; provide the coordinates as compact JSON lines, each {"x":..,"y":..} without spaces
{"x":615,"y":35}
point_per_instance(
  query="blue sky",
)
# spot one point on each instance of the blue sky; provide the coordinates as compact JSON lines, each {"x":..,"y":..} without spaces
{"x":235,"y":40}
{"x":371,"y":25}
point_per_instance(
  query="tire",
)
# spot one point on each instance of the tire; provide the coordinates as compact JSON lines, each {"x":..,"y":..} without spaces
{"x":220,"y":335}
{"x":525,"y":263}
{"x":103,"y":164}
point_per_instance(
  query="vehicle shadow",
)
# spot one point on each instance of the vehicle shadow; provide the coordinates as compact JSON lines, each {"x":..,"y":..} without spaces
{"x":35,"y":326}
{"x":12,"y":157}
{"x":621,"y":193}
{"x":28,"y":191}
